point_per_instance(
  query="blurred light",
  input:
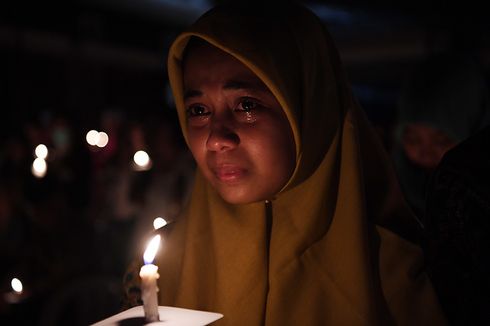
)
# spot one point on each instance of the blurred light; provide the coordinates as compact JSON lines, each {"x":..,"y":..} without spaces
{"x":141,"y":158}
{"x":39,"y":167}
{"x":41,"y":151}
{"x":151,"y":249}
{"x":92,"y":137}
{"x":16,"y":285}
{"x":103,"y":139}
{"x":159,"y":223}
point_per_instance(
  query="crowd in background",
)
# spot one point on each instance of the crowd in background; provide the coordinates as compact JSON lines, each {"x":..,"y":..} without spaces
{"x":74,"y":228}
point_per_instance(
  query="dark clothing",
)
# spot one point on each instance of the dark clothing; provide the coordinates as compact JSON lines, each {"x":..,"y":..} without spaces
{"x":458,"y":229}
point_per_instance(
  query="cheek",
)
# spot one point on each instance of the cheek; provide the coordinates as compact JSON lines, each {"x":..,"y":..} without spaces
{"x":197,"y":143}
{"x":412,"y":145}
{"x":275,"y":149}
{"x":412,"y":149}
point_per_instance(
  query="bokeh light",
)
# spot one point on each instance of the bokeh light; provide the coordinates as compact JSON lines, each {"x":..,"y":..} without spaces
{"x":159,"y":222}
{"x":41,"y":151}
{"x":103,"y":139}
{"x":92,"y":137}
{"x":16,"y":285}
{"x":141,"y":158}
{"x":39,"y":167}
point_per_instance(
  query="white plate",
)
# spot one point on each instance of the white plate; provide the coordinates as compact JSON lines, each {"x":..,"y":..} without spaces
{"x":169,"y":316}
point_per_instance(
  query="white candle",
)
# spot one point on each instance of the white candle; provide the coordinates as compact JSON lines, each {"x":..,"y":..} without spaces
{"x":149,"y":275}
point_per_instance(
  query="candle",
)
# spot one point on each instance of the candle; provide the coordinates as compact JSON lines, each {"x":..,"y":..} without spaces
{"x":149,"y":275}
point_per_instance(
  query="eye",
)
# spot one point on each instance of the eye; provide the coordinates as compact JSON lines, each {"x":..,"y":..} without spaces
{"x":197,"y":111}
{"x":247,"y":105}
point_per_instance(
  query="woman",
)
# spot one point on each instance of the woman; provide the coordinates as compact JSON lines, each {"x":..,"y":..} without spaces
{"x":443,"y":102}
{"x":291,"y":220}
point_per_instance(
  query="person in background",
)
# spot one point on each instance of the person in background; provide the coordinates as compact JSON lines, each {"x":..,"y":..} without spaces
{"x":458,"y":229}
{"x":443,"y":102}
{"x":291,"y":219}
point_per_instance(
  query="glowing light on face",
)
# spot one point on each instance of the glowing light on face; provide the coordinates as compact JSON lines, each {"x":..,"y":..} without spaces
{"x":92,"y":137}
{"x":103,"y":139}
{"x":159,"y":222}
{"x":16,"y":285}
{"x":41,"y":151}
{"x":39,"y":167}
{"x":151,"y":249}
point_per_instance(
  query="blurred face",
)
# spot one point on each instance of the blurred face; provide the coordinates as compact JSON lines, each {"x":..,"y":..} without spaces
{"x":425,"y":146}
{"x":238,"y":132}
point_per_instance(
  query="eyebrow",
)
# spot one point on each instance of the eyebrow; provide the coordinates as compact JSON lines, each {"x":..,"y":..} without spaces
{"x":191,"y":93}
{"x":246,"y":85}
{"x":231,"y":85}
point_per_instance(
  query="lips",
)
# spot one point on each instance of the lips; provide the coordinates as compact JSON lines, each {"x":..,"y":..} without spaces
{"x":229,"y":173}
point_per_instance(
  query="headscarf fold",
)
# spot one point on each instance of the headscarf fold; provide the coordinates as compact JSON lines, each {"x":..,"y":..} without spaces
{"x":332,"y":247}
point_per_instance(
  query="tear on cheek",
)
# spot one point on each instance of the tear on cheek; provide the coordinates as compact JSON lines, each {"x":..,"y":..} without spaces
{"x":249,"y":117}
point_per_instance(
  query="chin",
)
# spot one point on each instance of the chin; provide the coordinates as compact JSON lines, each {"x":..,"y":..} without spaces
{"x":237,"y":197}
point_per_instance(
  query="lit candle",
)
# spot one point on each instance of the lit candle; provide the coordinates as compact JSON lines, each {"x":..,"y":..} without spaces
{"x":149,"y":275}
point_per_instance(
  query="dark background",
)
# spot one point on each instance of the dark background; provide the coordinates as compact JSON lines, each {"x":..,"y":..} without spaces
{"x":86,"y":55}
{"x":80,"y":57}
{"x":93,"y":64}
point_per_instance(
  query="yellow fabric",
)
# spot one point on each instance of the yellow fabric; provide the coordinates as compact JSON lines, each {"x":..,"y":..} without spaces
{"x":333,"y":255}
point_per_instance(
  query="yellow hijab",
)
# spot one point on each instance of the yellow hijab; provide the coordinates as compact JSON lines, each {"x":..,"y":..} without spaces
{"x":326,"y":250}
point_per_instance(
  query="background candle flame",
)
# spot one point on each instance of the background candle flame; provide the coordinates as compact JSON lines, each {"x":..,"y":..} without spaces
{"x":151,"y":249}
{"x":16,"y":285}
{"x":159,"y":222}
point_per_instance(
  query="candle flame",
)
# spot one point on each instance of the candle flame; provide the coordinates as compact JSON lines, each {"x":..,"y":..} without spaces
{"x":151,"y":249}
{"x":16,"y":285}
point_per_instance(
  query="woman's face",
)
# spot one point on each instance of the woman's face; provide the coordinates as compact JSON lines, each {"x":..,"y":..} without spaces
{"x":424,"y":145}
{"x":237,"y":131}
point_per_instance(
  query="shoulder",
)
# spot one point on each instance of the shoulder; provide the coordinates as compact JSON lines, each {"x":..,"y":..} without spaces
{"x":473,"y":153}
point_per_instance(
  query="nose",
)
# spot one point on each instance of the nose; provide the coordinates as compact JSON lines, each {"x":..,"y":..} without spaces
{"x":222,"y":137}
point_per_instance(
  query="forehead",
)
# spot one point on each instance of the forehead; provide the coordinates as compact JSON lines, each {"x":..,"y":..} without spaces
{"x":203,"y":62}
